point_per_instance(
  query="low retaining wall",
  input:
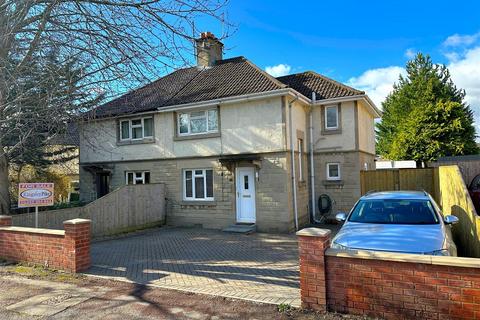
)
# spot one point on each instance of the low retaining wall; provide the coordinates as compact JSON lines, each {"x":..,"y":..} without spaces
{"x":67,"y":249}
{"x":126,"y":209}
{"x":386,"y":285}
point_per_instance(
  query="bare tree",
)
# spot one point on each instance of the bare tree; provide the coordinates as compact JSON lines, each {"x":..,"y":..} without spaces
{"x":59,"y":57}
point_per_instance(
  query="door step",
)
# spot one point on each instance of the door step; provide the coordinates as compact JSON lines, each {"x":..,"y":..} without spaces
{"x":245,"y":228}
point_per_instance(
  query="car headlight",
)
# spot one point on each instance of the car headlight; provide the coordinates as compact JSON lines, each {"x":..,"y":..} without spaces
{"x":336,"y":245}
{"x":443,"y":252}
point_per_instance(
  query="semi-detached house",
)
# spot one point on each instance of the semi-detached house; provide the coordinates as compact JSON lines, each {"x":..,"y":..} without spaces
{"x":233,"y":144}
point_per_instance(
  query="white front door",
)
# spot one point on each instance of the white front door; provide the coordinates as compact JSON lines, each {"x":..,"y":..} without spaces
{"x":245,"y":195}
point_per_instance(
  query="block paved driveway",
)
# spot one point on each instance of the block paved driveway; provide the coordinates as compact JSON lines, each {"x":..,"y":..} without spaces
{"x":259,"y":267}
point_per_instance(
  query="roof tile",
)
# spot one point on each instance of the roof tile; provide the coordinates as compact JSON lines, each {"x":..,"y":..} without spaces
{"x":325,"y":88}
{"x":228,"y":78}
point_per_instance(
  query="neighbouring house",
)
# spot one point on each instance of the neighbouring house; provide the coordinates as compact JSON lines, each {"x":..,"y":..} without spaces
{"x":233,"y":144}
{"x":60,"y":166}
{"x":65,"y":158}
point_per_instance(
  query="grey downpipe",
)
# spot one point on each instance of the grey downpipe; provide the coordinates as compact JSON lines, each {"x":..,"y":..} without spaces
{"x":312,"y":166}
{"x":292,"y":162}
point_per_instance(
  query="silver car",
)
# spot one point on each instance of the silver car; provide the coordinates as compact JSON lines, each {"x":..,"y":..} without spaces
{"x":397,"y":221}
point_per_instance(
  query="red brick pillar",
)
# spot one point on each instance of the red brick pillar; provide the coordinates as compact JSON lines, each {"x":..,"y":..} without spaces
{"x":77,"y":244}
{"x":312,"y":243}
{"x":5,"y":221}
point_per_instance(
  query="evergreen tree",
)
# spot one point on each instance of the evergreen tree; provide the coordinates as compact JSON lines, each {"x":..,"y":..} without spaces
{"x":437,"y":130}
{"x":425,"y":116}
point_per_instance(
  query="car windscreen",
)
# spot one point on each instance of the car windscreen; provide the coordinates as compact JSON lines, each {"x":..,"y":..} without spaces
{"x":394,"y":211}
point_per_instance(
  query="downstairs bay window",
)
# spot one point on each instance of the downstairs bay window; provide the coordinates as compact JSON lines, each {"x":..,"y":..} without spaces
{"x":198,"y":185}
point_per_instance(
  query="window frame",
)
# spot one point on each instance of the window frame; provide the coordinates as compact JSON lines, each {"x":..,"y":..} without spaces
{"x":205,"y":115}
{"x":337,"y":125}
{"x":135,"y":178}
{"x":131,"y":127}
{"x":194,"y":175}
{"x":339,"y":177}
{"x":300,"y":146}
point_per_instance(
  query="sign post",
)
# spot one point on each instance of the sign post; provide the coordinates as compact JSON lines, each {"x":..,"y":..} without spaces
{"x":38,"y":194}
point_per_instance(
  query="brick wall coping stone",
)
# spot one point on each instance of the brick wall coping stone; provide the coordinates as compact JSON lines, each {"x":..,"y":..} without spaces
{"x":313,"y":232}
{"x":5,"y":217}
{"x":405,"y":257}
{"x":34,"y":230}
{"x":77,"y":221}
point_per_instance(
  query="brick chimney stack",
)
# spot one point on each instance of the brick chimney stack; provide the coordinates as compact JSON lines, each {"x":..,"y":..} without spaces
{"x":209,"y":49}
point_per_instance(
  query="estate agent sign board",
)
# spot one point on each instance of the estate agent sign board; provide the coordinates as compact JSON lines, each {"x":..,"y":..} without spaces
{"x":38,"y":194}
{"x":35,"y":195}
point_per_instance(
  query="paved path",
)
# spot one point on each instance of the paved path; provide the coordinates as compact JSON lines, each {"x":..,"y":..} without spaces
{"x":259,"y":267}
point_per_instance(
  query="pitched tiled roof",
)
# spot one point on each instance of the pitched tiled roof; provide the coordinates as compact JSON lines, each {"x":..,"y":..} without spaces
{"x":228,"y":78}
{"x":325,"y":88}
{"x":71,"y":136}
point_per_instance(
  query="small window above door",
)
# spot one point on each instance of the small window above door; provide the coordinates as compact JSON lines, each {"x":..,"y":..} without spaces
{"x":331,"y":117}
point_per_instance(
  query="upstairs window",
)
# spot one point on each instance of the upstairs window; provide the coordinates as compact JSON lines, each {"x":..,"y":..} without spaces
{"x":137,"y":177}
{"x":331,"y":117}
{"x":198,"y":122}
{"x":136,"y":129}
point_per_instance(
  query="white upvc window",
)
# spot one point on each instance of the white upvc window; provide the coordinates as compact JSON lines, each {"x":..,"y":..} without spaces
{"x":331,"y":117}
{"x":198,"y":184}
{"x":197,"y":122}
{"x":137,"y":177}
{"x":136,"y":129}
{"x":333,"y":171}
{"x":300,"y":160}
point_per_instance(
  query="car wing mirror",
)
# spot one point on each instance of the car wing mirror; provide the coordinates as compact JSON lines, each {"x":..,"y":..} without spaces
{"x":450,"y":219}
{"x":341,"y":216}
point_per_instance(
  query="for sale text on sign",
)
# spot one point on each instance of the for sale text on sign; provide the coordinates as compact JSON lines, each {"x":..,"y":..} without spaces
{"x":35,"y":194}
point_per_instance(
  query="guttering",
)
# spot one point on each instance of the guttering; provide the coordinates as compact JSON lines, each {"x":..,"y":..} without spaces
{"x":125,"y":115}
{"x":236,"y":99}
{"x":292,"y":162}
{"x":362,"y":97}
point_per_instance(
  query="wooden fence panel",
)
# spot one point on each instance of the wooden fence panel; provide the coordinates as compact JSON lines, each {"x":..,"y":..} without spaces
{"x":398,"y":179}
{"x":455,"y":199}
{"x":124,"y":209}
{"x":469,"y":168}
{"x":377,"y":180}
{"x":417,"y":179}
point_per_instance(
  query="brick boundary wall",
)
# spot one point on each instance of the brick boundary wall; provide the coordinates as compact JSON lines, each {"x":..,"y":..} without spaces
{"x":67,"y":249}
{"x":386,"y":285}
